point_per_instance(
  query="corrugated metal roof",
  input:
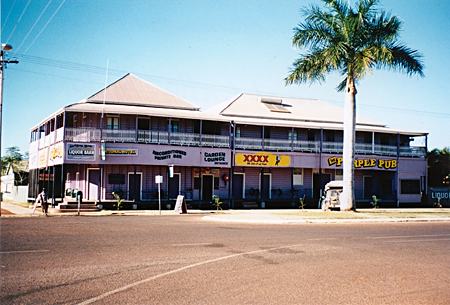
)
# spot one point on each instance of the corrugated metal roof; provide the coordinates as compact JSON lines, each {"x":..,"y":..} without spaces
{"x":301,"y":110}
{"x":144,"y":111}
{"x":131,"y":90}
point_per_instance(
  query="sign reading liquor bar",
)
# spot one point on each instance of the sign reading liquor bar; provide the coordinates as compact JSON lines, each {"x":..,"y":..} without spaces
{"x":366,"y":163}
{"x":84,"y":152}
{"x":262,"y":159}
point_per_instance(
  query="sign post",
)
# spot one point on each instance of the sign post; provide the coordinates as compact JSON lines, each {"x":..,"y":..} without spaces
{"x":159,"y":180}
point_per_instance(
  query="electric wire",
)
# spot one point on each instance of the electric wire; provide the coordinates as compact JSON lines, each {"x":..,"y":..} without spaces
{"x":45,"y":26}
{"x":9,"y":14}
{"x":34,"y":24}
{"x":19,"y":19}
{"x":86,"y":68}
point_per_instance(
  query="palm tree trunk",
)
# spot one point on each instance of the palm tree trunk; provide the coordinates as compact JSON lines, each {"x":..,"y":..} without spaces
{"x":347,"y":197}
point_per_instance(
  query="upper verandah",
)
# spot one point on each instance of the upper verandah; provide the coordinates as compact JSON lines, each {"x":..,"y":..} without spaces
{"x":134,"y":96}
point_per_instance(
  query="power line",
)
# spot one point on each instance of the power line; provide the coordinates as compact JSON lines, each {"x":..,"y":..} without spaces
{"x":45,"y":26}
{"x":79,"y":67}
{"x":9,"y":14}
{"x":19,"y":19}
{"x":34,"y":24}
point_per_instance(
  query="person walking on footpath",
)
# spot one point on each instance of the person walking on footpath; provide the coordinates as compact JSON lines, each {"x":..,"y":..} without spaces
{"x":42,"y":198}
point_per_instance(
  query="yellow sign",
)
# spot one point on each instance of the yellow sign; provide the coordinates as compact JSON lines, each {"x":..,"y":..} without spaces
{"x":56,"y":152}
{"x":366,"y":163}
{"x":122,"y":151}
{"x":262,"y":159}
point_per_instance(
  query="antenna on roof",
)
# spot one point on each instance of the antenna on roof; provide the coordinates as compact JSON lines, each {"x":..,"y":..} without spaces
{"x":106,"y":83}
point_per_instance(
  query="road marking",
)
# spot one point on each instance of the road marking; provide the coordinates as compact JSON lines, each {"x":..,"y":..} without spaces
{"x":23,"y":251}
{"x":415,"y":240}
{"x":152,"y":278}
{"x":406,"y":236}
{"x":192,"y":244}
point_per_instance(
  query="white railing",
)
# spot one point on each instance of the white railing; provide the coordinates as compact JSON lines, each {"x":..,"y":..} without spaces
{"x":364,"y":149}
{"x":277,"y":144}
{"x":332,"y":147}
{"x":385,"y":150}
{"x":152,"y":136}
{"x":306,"y":146}
{"x":85,"y":134}
{"x":188,"y":139}
{"x":215,"y":140}
{"x":248,"y":143}
{"x":413,"y":151}
{"x":119,"y":135}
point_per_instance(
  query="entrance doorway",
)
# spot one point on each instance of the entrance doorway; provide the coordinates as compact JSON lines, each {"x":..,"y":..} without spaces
{"x":265,"y":186}
{"x":174,"y":186}
{"x":93,"y":184}
{"x":134,"y":186}
{"x":368,"y":187}
{"x":238,"y":186}
{"x":319,"y":184}
{"x":207,"y":187}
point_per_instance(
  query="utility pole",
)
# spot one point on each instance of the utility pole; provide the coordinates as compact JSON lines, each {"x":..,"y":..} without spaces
{"x":3,"y":62}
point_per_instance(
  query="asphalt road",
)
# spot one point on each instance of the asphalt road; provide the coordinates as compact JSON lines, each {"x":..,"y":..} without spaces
{"x":184,"y":260}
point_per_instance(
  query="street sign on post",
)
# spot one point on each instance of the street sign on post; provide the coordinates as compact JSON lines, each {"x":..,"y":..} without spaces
{"x":159,"y":180}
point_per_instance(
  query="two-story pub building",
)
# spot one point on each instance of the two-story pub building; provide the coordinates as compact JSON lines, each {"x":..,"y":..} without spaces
{"x":259,"y":151}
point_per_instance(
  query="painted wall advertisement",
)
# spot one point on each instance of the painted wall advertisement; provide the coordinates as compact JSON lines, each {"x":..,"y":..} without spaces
{"x":56,"y":154}
{"x":262,"y":159}
{"x":81,"y":152}
{"x":372,"y":163}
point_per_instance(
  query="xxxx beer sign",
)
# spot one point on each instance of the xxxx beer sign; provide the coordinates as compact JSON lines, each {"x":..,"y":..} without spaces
{"x":366,"y":163}
{"x":262,"y":159}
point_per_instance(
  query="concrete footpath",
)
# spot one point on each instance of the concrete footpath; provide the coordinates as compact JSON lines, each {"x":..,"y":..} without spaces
{"x":292,"y":216}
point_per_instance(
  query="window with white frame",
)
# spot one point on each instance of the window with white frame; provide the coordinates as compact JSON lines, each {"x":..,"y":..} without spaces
{"x":297,"y":178}
{"x":112,"y":122}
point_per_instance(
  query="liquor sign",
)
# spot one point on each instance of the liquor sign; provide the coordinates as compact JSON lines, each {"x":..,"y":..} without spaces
{"x":366,"y":163}
{"x":262,"y":159}
{"x":84,"y":152}
{"x":439,"y":195}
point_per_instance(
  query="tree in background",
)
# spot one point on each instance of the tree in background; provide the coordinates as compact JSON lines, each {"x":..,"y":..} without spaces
{"x":439,"y":167}
{"x":15,"y":158}
{"x":352,"y":41}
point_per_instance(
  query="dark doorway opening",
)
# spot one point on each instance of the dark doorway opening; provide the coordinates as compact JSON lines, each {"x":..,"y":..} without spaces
{"x":319,"y":181}
{"x":238,"y":186}
{"x":265,"y":186}
{"x":207,"y":187}
{"x":174,"y":186}
{"x":134,"y":187}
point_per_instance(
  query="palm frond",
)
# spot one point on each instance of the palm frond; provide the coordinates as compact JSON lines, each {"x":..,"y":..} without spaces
{"x":406,"y":60}
{"x":311,"y":35}
{"x":310,"y":67}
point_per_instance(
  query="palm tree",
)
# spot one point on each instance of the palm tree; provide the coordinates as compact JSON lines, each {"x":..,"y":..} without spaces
{"x":351,"y":41}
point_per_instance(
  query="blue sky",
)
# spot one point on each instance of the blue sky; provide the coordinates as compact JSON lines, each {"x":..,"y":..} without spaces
{"x":206,"y":52}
